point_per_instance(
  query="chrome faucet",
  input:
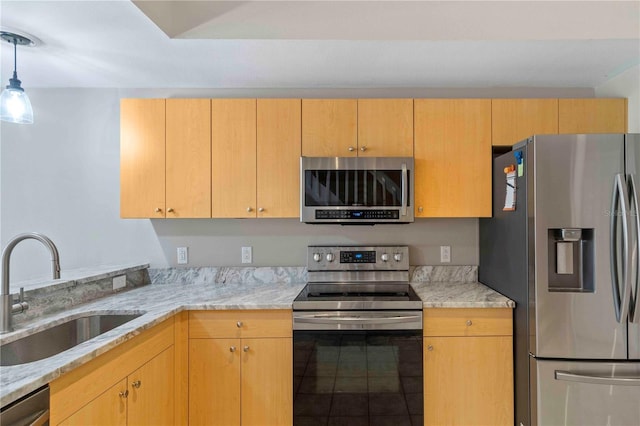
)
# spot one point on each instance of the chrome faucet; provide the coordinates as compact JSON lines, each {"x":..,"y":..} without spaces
{"x":8,"y":308}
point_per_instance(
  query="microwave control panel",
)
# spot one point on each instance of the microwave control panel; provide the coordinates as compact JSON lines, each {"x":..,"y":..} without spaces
{"x":358,"y":214}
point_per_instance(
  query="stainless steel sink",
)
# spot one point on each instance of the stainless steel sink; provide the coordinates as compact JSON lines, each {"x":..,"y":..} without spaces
{"x":59,"y":338}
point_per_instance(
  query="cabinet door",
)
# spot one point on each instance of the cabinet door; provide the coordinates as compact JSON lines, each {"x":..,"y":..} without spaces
{"x":468,"y":380}
{"x":513,"y":120}
{"x":267,"y":377}
{"x":385,"y":127}
{"x":453,"y":157}
{"x":233,"y":158}
{"x":592,"y":115}
{"x":108,"y":409}
{"x":142,"y":160}
{"x":278,"y":157}
{"x":329,"y":127}
{"x":188,"y":152}
{"x":151,"y":392}
{"x":214,"y":382}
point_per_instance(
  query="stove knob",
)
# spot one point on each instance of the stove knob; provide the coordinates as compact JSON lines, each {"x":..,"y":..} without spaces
{"x":397,"y":257}
{"x":330,"y":257}
{"x":384,"y":257}
{"x":317,"y":257}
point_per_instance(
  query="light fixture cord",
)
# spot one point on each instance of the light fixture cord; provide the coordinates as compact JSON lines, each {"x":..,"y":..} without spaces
{"x":15,"y":58}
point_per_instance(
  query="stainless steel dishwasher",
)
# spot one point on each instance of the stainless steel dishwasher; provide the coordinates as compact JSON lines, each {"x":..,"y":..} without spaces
{"x":30,"y":410}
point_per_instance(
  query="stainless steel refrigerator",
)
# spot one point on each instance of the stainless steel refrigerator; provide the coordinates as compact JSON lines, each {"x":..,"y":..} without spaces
{"x":564,"y":244}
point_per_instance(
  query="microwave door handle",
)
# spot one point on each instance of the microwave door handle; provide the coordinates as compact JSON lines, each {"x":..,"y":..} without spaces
{"x":405,"y":190}
{"x":634,"y":308}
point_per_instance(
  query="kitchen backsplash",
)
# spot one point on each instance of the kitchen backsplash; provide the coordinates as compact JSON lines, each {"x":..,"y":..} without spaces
{"x":253,"y":275}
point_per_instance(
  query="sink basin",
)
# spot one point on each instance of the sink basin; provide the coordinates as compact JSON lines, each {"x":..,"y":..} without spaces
{"x":54,"y":340}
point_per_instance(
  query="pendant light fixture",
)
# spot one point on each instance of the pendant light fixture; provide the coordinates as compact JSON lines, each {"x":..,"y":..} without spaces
{"x":15,"y":106}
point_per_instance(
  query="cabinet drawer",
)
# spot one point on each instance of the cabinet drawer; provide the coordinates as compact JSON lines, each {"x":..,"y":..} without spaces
{"x":468,"y":322}
{"x":240,"y":323}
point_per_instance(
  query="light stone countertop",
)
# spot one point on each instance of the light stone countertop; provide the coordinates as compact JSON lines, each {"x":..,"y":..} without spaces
{"x":161,"y":301}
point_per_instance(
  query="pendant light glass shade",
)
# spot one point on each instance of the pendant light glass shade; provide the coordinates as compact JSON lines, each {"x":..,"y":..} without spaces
{"x":15,"y":106}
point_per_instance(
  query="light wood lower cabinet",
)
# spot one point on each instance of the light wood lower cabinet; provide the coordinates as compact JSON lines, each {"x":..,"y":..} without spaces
{"x":133,"y":384}
{"x":468,"y":367}
{"x":241,"y":380}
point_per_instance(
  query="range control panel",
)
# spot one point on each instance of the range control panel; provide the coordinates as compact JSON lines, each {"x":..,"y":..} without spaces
{"x":349,"y":258}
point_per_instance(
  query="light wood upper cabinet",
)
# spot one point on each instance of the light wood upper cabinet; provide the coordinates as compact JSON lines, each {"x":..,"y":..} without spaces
{"x":278,"y":157}
{"x":385,"y":127}
{"x":233,"y":158}
{"x":593,"y":115}
{"x":468,"y":367}
{"x":188,"y":149}
{"x":329,"y":127}
{"x":513,"y":120}
{"x":453,"y":157}
{"x":142,"y":158}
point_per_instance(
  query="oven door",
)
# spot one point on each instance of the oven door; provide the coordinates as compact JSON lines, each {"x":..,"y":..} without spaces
{"x":358,"y":376}
{"x":356,"y":190}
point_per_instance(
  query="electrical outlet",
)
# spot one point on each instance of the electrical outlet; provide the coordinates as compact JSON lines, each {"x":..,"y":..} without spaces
{"x":183,"y":255}
{"x":445,"y":254}
{"x":247,"y":255}
{"x":119,"y":282}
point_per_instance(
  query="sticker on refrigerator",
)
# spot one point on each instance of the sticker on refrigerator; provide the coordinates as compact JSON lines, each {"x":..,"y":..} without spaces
{"x":519,"y":162}
{"x":510,"y":197}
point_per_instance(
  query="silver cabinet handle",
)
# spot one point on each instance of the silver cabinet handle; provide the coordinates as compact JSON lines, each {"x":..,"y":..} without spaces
{"x":420,"y":209}
{"x":634,"y":308}
{"x":405,"y":190}
{"x":239,"y":324}
{"x":249,"y":209}
{"x":136,"y":384}
{"x":246,"y":349}
{"x":363,"y":148}
{"x":596,"y":379}
{"x":124,"y":393}
{"x":351,"y":149}
{"x":469,"y":323}
{"x":158,"y":209}
{"x":170,"y":210}
{"x":232,"y":349}
{"x":430,"y":347}
{"x":261,"y":209}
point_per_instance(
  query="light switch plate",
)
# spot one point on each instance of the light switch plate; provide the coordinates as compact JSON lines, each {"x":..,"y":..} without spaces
{"x":445,"y":254}
{"x":119,"y":282}
{"x":183,"y":255}
{"x":247,"y":255}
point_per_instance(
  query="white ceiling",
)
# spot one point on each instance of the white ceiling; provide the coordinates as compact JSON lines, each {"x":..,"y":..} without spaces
{"x":297,"y":44}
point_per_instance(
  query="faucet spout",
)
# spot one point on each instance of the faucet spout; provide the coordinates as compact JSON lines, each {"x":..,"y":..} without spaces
{"x":6,"y":307}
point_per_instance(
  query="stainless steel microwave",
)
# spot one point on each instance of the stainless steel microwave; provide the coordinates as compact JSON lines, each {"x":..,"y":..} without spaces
{"x":356,"y":190}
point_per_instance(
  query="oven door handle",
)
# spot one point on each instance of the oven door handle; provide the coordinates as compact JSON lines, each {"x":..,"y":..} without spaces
{"x":405,"y":190}
{"x":334,"y":319}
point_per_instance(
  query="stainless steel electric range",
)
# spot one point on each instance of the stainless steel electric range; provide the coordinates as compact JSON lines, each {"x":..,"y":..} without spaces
{"x":358,"y":339}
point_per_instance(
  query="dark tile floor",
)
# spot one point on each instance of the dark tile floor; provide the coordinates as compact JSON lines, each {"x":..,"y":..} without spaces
{"x":358,"y":379}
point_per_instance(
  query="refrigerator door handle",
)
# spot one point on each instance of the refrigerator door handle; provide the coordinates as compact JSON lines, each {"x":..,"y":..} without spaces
{"x":597,"y":379}
{"x":634,"y":307}
{"x":620,"y":301}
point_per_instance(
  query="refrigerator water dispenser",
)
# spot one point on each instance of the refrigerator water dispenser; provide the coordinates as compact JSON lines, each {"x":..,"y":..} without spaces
{"x":571,"y":260}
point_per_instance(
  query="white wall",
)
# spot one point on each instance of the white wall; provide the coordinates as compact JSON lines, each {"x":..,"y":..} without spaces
{"x":60,"y":176}
{"x":625,"y":85}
